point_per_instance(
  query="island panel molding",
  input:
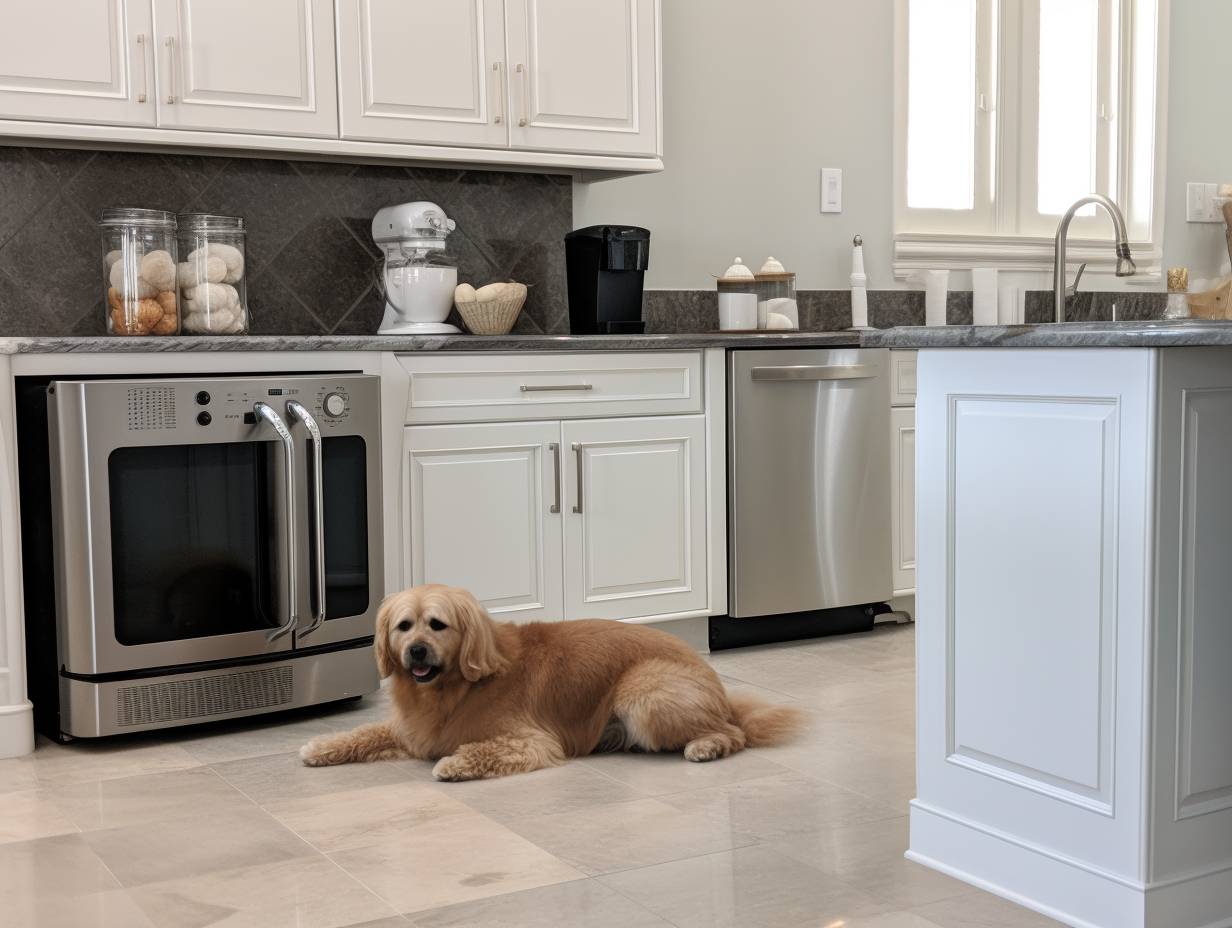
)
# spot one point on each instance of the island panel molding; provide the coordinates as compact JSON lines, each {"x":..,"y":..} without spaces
{"x":1060,"y":739}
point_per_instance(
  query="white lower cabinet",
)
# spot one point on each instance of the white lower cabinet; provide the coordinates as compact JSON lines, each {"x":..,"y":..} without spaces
{"x":902,"y":498}
{"x":480,"y":502}
{"x":592,"y":518}
{"x":635,"y":527}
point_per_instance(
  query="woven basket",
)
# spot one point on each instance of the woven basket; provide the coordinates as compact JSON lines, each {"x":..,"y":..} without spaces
{"x":491,"y":317}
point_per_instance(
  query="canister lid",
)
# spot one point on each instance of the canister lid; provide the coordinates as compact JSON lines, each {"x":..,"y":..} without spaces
{"x":208,"y":222}
{"x":737,"y":273}
{"x":135,"y":216}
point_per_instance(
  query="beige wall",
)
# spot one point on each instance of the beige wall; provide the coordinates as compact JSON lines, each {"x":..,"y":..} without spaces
{"x":758,"y":97}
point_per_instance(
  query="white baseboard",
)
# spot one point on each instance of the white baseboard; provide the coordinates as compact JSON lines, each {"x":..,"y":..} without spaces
{"x":1064,"y":890}
{"x":16,"y":730}
{"x":694,"y":630}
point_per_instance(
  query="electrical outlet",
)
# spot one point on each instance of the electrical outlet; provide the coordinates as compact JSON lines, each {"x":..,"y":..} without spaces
{"x":1200,"y":205}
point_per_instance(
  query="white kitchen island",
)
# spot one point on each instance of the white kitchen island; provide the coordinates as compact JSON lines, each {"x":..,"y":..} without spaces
{"x":1075,"y":620}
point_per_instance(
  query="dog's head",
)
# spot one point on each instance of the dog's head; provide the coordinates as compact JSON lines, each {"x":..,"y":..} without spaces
{"x":432,"y":631}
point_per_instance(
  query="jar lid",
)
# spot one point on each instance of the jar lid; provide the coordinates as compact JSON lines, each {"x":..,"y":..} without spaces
{"x":135,"y":216}
{"x":207,"y":222}
{"x":738,"y":271}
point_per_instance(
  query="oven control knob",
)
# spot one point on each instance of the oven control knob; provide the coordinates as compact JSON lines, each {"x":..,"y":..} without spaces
{"x":334,"y":405}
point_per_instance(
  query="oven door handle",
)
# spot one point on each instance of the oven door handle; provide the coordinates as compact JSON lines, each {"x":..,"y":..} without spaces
{"x":262,"y":411}
{"x":297,"y":411}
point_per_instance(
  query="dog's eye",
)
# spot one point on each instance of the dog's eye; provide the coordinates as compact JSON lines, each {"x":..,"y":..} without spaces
{"x":437,"y":625}
{"x":404,"y":625}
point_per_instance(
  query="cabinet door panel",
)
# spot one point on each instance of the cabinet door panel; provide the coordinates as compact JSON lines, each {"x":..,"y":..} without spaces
{"x":423,"y":71}
{"x":236,"y":66}
{"x":478,"y":514}
{"x":902,"y":498}
{"x":638,"y":545}
{"x":584,"y":75}
{"x":79,"y":61}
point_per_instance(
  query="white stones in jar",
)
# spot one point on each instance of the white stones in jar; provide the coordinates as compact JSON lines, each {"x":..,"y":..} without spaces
{"x":145,"y":302}
{"x":209,"y":282}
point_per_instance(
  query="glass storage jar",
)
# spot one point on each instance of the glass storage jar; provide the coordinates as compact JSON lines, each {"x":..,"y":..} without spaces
{"x":139,"y":271}
{"x":212,"y":274}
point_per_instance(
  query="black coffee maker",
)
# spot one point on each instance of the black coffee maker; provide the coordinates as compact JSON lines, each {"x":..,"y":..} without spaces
{"x":605,"y":266}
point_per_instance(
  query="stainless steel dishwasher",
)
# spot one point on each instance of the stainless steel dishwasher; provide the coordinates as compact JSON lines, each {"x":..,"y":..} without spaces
{"x":808,"y":483}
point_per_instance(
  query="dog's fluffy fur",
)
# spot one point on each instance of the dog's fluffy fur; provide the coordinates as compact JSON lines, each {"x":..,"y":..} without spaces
{"x":486,"y":699}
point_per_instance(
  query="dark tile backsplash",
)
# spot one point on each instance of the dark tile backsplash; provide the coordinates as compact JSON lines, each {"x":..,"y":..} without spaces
{"x":313,"y":266}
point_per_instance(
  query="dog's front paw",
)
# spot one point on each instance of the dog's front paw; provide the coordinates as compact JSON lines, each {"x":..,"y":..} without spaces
{"x":317,"y":753}
{"x":452,"y":768}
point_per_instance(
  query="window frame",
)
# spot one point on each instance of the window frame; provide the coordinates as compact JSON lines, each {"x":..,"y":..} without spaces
{"x":1021,"y":239}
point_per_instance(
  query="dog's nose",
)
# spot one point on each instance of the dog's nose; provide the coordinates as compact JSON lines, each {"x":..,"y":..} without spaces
{"x":419,"y":652}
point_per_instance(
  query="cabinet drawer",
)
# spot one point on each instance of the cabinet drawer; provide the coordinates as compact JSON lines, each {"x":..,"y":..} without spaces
{"x":467,"y":388}
{"x":902,"y":378}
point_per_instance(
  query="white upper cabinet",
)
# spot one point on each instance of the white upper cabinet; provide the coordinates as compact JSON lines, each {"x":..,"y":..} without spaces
{"x":423,"y":71}
{"x":87,"y":61}
{"x":584,"y":75}
{"x":237,"y":66}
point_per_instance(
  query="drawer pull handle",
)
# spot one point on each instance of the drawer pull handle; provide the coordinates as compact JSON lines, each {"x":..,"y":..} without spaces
{"x":554,"y":387}
{"x":814,"y":372}
{"x":554,"y":447}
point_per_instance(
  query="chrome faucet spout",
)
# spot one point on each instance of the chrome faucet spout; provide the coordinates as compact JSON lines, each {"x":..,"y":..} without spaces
{"x":1125,"y":266}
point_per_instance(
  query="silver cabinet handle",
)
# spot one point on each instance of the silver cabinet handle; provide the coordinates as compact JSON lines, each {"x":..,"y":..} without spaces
{"x":499,"y":68}
{"x":297,"y":411}
{"x":555,"y":449}
{"x":553,"y":387}
{"x":522,"y":69}
{"x":145,"y":68}
{"x":263,"y":411}
{"x":814,"y":372}
{"x":577,"y":449}
{"x":170,"y":43}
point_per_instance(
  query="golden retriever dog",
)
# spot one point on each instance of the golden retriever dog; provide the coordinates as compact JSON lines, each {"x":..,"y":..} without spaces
{"x":487,"y":699}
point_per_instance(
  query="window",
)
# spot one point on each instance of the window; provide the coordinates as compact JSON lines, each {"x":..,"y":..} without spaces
{"x":1007,"y":112}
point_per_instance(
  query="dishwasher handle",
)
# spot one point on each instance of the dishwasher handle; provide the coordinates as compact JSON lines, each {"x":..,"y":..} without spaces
{"x":814,"y":372}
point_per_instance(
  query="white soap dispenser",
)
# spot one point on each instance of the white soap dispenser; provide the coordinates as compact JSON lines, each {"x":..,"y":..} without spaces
{"x":859,"y":285}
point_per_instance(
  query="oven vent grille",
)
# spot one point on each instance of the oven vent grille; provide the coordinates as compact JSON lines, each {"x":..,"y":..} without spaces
{"x":204,"y":696}
{"x":151,"y":408}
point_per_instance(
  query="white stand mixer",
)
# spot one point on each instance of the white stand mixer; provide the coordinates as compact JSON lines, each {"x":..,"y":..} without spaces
{"x":418,"y":286}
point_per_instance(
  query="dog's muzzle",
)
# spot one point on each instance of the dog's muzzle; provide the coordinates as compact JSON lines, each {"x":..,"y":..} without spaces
{"x":420,"y":661}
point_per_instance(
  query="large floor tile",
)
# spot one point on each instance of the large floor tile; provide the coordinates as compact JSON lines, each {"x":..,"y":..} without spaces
{"x":780,"y":806}
{"x":567,"y":788}
{"x":249,"y":738}
{"x":660,"y":774}
{"x":111,"y":909}
{"x":309,"y":893}
{"x":870,"y":856}
{"x":626,"y":835}
{"x":580,"y":903}
{"x":356,"y":818}
{"x":982,"y":910}
{"x":748,"y":886}
{"x":86,"y":761}
{"x":881,"y":772}
{"x":284,"y":776}
{"x":184,"y":847}
{"x":150,"y":798}
{"x":56,"y":867}
{"x":455,"y":859}
{"x":31,"y":814}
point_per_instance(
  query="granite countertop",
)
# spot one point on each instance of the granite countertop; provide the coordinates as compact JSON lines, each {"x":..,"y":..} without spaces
{"x":117,"y":344}
{"x":1156,"y":333}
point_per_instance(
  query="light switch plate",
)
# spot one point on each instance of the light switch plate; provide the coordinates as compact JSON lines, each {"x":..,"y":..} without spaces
{"x":831,"y":190}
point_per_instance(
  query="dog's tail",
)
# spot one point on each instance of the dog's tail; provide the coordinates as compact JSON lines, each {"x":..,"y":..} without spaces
{"x":764,"y":724}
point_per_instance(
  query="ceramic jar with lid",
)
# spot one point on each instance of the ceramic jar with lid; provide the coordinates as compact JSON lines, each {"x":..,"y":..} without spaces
{"x":139,"y":271}
{"x":212,"y":275}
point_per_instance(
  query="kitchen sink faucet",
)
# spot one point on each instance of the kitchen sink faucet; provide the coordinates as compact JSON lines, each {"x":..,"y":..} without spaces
{"x":1125,"y":266}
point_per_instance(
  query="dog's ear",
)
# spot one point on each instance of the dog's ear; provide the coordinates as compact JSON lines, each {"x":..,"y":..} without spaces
{"x":479,"y":656}
{"x":385,"y":663}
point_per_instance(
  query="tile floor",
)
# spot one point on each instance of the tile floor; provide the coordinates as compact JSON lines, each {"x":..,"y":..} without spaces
{"x":222,"y":826}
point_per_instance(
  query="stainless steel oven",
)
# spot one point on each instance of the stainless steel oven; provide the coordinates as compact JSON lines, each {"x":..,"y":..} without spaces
{"x":217,"y":545}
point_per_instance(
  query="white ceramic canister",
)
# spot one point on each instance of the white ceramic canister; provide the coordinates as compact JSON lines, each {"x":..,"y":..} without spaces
{"x":737,"y":311}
